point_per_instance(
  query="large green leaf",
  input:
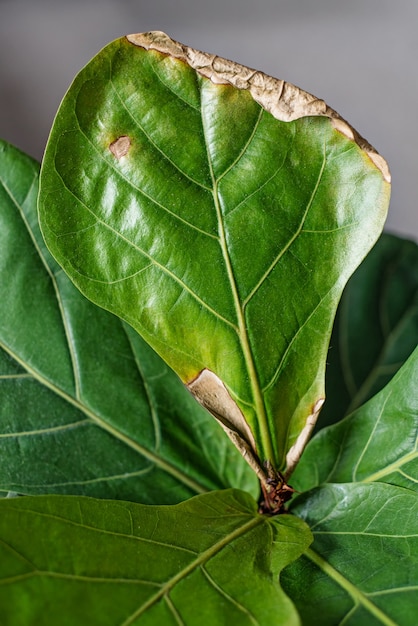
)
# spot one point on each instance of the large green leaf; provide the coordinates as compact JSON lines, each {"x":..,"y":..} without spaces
{"x":86,"y":407}
{"x":212,"y":560}
{"x":363,"y":565}
{"x":378,"y":442}
{"x":376,"y":327}
{"x":220,"y":212}
{"x":362,"y":569}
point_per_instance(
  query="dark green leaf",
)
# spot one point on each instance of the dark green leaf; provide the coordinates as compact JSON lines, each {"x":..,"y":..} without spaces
{"x":376,"y":327}
{"x":85,"y":405}
{"x":378,"y":442}
{"x":363,"y":565}
{"x":211,"y":560}
{"x":362,"y":569}
{"x":222,"y":232}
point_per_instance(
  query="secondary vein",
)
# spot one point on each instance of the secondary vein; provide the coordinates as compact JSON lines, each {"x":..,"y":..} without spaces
{"x":96,"y":419}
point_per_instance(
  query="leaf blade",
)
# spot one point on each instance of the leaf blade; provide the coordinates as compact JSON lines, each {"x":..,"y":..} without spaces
{"x":363,"y":563}
{"x":376,"y":328}
{"x":183,"y":179}
{"x":86,"y":406}
{"x":378,"y":442}
{"x":362,"y":509}
{"x":174,"y":564}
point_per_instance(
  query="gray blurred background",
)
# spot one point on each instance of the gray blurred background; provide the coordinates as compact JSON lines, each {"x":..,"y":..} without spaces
{"x":360,"y":56}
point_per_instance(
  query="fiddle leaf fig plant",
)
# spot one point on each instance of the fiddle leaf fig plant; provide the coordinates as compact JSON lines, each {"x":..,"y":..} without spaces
{"x":376,"y":328}
{"x":197,"y":205}
{"x":141,"y":431}
{"x":197,"y":223}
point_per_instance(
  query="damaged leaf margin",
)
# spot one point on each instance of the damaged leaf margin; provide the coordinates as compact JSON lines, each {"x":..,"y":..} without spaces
{"x":211,"y":393}
{"x":295,"y":452}
{"x":285,"y":101}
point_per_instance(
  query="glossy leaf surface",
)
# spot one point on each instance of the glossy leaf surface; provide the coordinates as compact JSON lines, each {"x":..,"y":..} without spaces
{"x":378,"y":442}
{"x":221,"y":233}
{"x":362,"y":569}
{"x":376,"y":328}
{"x":211,"y":560}
{"x":86,"y":407}
{"x":363,"y":565}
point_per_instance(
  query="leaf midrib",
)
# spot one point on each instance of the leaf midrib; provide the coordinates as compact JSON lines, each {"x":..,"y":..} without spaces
{"x":260,"y":407}
{"x":357,"y":596}
{"x":202,"y":558}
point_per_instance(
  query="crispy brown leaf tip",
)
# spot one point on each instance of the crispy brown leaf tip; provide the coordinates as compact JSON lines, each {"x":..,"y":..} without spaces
{"x":284,"y":101}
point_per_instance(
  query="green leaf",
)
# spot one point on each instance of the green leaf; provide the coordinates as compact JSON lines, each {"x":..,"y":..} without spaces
{"x":362,"y":569}
{"x":221,"y":221}
{"x":363,"y":565}
{"x":376,"y":327}
{"x":210,"y":560}
{"x":378,"y":442}
{"x":86,"y":407}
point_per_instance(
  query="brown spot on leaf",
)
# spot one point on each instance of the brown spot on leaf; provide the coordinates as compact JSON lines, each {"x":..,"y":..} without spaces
{"x":120,"y":147}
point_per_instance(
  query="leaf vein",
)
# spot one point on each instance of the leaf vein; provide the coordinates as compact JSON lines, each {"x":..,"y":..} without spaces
{"x":357,"y":596}
{"x":294,"y":236}
{"x":228,"y":597}
{"x":173,"y":610}
{"x":31,"y":234}
{"x":279,"y":367}
{"x":370,"y":438}
{"x":163,"y":154}
{"x":147,"y":255}
{"x":201,"y":559}
{"x":245,"y":147}
{"x":43,"y":431}
{"x":150,"y":400}
{"x":96,"y":419}
{"x":15,"y":376}
{"x":104,"y":531}
{"x":119,"y":174}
